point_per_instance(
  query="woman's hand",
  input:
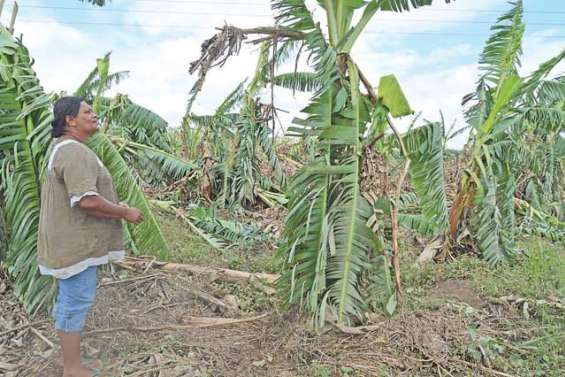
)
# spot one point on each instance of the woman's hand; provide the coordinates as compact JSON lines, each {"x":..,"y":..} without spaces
{"x":133,"y":215}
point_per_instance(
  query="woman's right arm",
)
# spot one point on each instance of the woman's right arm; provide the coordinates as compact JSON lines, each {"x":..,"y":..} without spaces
{"x":98,"y":206}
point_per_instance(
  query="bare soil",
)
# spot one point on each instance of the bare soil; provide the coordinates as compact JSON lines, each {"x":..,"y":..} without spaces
{"x":459,"y":290}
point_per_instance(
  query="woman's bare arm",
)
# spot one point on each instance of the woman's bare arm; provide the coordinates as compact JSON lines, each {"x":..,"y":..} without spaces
{"x":100,"y":207}
{"x":102,"y":215}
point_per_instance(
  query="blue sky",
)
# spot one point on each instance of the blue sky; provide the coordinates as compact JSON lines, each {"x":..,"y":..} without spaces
{"x":433,"y":51}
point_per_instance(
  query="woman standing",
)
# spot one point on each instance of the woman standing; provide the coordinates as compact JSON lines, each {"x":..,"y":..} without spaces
{"x":80,"y":224}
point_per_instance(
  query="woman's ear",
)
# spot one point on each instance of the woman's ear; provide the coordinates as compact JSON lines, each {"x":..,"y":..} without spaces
{"x":70,"y":121}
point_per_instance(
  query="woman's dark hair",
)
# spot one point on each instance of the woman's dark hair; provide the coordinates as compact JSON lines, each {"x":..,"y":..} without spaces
{"x":65,"y":106}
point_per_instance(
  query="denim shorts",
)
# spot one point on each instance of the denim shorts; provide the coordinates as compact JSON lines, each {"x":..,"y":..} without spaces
{"x":75,"y":297}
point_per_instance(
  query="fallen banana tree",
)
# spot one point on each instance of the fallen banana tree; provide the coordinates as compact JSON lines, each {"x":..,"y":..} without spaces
{"x":189,"y":322}
{"x":212,"y":274}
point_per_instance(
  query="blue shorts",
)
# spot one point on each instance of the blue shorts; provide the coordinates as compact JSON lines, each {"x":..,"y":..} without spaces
{"x":74,"y":299}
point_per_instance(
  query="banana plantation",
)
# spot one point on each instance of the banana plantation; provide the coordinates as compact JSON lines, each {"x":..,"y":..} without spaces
{"x":344,"y":246}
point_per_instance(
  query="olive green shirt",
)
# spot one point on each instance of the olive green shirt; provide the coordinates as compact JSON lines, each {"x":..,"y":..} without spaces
{"x":70,"y":240}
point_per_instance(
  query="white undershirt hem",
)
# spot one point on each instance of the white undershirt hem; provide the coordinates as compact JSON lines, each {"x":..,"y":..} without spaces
{"x":67,"y":272}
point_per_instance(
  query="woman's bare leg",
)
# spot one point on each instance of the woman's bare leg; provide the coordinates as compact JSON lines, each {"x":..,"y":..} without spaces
{"x":70,"y":345}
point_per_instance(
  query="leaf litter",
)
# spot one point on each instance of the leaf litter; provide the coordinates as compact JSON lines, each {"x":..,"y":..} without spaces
{"x":148,"y":324}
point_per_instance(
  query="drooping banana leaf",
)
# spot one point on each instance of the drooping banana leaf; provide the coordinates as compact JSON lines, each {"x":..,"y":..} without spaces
{"x":24,"y":138}
{"x":348,"y":213}
{"x":147,"y":236}
{"x":151,"y":161}
{"x":425,"y":150}
{"x":298,"y":81}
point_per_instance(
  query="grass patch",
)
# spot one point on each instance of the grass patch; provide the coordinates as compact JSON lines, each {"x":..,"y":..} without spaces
{"x":536,"y":274}
{"x":188,"y":247}
{"x":251,"y":298}
{"x":185,"y":245}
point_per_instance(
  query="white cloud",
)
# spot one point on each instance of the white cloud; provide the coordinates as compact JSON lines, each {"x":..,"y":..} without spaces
{"x":540,"y":46}
{"x":63,"y":55}
{"x":386,"y":61}
{"x":442,"y":90}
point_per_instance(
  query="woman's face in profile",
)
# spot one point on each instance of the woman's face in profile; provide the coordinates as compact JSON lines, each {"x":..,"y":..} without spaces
{"x":86,"y":120}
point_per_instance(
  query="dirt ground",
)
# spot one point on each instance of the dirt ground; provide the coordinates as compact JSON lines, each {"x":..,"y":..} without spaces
{"x":460,"y":290}
{"x":144,"y":324}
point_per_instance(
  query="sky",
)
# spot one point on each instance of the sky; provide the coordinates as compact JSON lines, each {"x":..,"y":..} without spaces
{"x":433,"y":51}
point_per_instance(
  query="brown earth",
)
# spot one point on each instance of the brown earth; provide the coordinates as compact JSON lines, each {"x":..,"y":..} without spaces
{"x":460,"y":290}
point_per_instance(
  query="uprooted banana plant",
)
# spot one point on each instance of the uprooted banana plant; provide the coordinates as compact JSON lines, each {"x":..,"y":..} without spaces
{"x":237,"y":142}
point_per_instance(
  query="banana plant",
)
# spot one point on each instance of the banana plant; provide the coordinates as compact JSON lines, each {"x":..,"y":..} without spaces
{"x":501,"y":105}
{"x":488,"y":184}
{"x":327,"y":242}
{"x":511,"y":153}
{"x":209,"y":134}
{"x":210,"y":137}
